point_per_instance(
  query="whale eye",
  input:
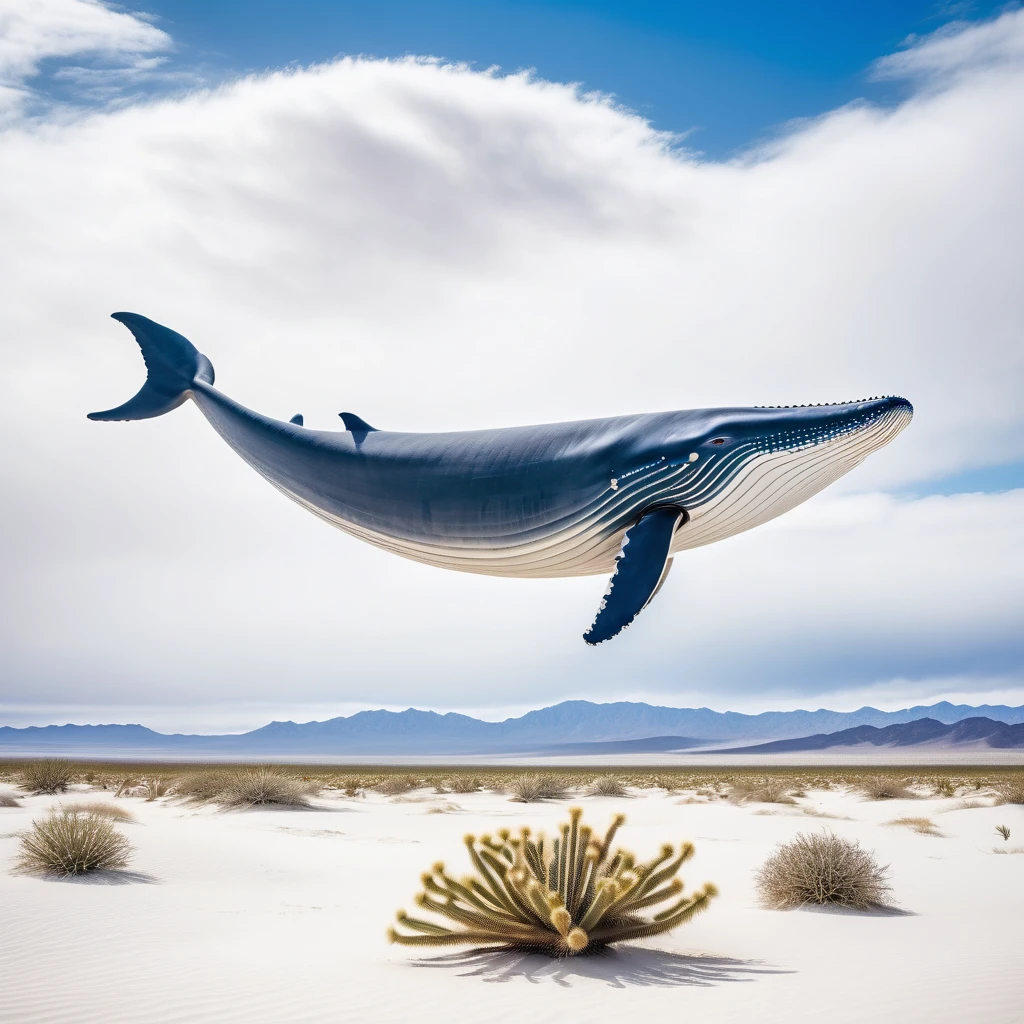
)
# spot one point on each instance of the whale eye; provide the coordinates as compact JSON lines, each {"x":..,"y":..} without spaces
{"x":718,"y":440}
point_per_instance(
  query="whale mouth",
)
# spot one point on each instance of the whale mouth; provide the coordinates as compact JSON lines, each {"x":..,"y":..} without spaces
{"x":896,"y":400}
{"x":874,"y":422}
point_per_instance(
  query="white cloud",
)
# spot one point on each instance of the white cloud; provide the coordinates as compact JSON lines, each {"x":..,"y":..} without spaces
{"x":34,"y":31}
{"x":956,"y":49}
{"x":433,"y":248}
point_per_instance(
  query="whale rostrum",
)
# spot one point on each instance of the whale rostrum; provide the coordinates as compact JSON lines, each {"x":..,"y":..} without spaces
{"x":622,"y":494}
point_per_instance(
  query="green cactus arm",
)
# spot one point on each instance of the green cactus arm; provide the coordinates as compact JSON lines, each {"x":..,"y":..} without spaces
{"x":644,"y":930}
{"x":660,"y":895}
{"x":577,"y":877}
{"x":626,"y":882}
{"x":422,"y":926}
{"x":473,"y":898}
{"x":708,"y":892}
{"x":497,"y":925}
{"x":606,"y":843}
{"x":518,"y":894}
{"x":486,"y":896}
{"x":583,"y":887}
{"x":486,"y":874}
{"x":538,"y":901}
{"x":611,"y":868}
{"x":535,"y":859}
{"x":563,"y":863}
{"x":602,"y":901}
{"x":571,"y":855}
{"x":494,"y":864}
{"x":653,"y":878}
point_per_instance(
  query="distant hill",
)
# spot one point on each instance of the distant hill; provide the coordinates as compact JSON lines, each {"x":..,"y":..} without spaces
{"x":562,"y":728}
{"x":923,"y":732}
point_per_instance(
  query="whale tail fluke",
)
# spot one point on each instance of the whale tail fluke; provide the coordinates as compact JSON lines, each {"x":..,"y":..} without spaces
{"x":173,"y":365}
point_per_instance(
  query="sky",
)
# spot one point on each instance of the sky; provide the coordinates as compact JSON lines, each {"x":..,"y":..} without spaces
{"x":456,"y":215}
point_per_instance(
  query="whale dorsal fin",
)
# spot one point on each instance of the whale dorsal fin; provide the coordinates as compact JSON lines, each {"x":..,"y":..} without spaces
{"x":355,"y":423}
{"x":297,"y":419}
{"x":640,"y":570}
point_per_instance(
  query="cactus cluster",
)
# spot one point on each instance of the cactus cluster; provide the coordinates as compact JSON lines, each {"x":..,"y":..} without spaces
{"x":563,"y":895}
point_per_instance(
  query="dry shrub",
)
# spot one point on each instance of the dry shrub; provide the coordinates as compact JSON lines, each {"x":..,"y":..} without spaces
{"x":922,"y":826}
{"x":607,"y":785}
{"x":156,"y":788}
{"x":203,"y":785}
{"x":125,"y":787}
{"x":944,"y":787}
{"x":261,"y":785}
{"x":1011,"y":791}
{"x":770,"y":791}
{"x":1004,"y":831}
{"x":561,"y":895}
{"x":970,"y":805}
{"x":50,"y":775}
{"x":823,"y":868}
{"x":66,"y":842}
{"x":813,"y":812}
{"x":103,"y":808}
{"x":526,"y":789}
{"x":444,"y":807}
{"x":349,"y":785}
{"x":9,"y":800}
{"x":396,"y":785}
{"x":881,"y":787}
{"x":462,"y":784}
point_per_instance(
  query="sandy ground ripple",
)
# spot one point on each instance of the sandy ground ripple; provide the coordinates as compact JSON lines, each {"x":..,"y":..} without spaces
{"x":280,"y":915}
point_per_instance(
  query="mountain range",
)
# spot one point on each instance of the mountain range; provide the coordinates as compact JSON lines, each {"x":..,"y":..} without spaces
{"x":925,"y":731}
{"x":576,"y":727}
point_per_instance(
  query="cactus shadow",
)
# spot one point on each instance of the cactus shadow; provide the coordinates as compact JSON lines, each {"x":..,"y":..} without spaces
{"x":619,"y":967}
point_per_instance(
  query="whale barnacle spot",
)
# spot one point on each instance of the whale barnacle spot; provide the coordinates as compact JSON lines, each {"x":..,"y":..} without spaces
{"x":694,"y":457}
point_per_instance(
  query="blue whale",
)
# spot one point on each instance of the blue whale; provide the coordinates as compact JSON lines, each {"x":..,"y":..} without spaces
{"x":619,"y":495}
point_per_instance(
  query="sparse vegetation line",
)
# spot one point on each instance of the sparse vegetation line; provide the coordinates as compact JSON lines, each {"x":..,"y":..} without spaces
{"x":205,"y":780}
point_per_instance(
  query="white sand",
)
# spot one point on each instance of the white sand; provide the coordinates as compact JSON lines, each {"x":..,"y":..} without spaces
{"x":279,"y":915}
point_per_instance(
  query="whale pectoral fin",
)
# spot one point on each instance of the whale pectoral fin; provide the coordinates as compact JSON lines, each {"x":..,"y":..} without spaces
{"x":297,"y":419}
{"x":661,"y":582}
{"x":355,"y":423}
{"x":641,"y":569}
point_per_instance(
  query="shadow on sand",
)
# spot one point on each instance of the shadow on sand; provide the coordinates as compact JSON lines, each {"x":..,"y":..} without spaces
{"x":879,"y":910}
{"x":620,"y":967}
{"x":105,"y":878}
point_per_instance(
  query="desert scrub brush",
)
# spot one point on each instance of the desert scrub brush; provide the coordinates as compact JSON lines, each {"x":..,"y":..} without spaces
{"x":66,"y":843}
{"x":259,"y":785}
{"x":823,"y":868}
{"x":102,"y":808}
{"x":396,"y":785}
{"x":562,"y":895}
{"x":1011,"y":791}
{"x":51,"y":775}
{"x":882,"y":787}
{"x":607,"y":785}
{"x":527,"y":789}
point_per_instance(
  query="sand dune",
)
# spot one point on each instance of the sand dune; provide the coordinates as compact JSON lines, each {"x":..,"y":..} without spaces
{"x":279,"y":915}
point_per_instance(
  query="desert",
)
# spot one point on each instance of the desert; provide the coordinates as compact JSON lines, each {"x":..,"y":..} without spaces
{"x":279,"y":913}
